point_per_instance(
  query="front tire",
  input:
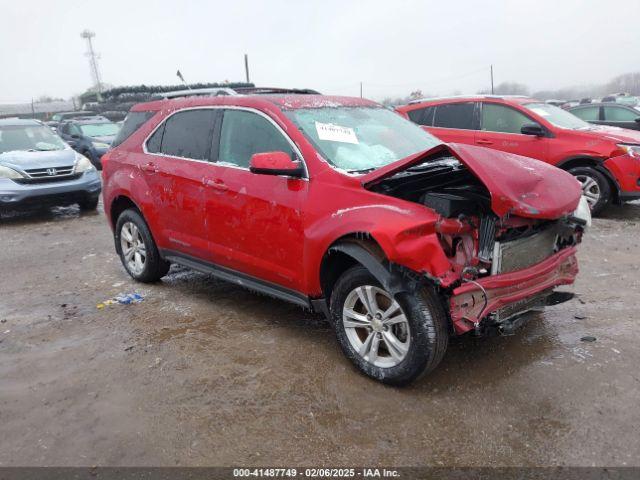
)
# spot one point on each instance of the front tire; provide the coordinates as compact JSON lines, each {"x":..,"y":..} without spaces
{"x":391,"y":339}
{"x":595,"y":187}
{"x":137,"y":250}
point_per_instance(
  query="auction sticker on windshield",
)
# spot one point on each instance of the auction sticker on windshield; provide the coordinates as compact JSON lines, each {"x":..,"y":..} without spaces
{"x":336,"y":133}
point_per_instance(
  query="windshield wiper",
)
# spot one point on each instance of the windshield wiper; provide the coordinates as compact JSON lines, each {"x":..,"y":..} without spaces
{"x":364,"y":170}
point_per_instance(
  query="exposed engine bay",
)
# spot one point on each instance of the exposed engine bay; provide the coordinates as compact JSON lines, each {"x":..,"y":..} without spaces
{"x":442,"y":184}
{"x":479,"y":243}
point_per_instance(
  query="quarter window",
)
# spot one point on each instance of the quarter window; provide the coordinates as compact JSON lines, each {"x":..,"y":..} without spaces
{"x":132,"y":122}
{"x":498,"y":118}
{"x":186,"y":134}
{"x":454,"y":115}
{"x":617,"y":114}
{"x":589,"y":114}
{"x":422,"y":116}
{"x":245,"y":133}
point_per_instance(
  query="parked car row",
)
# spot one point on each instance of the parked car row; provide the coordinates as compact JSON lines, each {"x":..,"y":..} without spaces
{"x":402,"y":235}
{"x":605,"y":160}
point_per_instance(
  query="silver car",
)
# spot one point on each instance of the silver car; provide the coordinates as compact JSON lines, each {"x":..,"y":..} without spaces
{"x":38,"y":169}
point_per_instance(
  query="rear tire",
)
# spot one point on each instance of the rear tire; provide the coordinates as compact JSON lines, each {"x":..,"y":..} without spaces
{"x":595,"y":187}
{"x":137,"y":250}
{"x":406,"y":334}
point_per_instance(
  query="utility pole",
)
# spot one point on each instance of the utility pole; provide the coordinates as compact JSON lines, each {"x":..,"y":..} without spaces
{"x":246,"y":66}
{"x":93,"y":61}
{"x":360,"y":89}
{"x":491,"y":79}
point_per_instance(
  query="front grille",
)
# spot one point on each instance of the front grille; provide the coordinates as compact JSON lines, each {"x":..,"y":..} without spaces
{"x":523,"y":252}
{"x":51,"y":174}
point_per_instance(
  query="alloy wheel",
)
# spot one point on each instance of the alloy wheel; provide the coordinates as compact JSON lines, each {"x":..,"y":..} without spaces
{"x":134,"y":251}
{"x":590,"y":189}
{"x":376,"y":326}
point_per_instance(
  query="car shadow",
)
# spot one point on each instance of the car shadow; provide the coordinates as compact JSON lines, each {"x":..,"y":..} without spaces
{"x":627,"y":211}
{"x":44,"y":214}
{"x":469,"y":360}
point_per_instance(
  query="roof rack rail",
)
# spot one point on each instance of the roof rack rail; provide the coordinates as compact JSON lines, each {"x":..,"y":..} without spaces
{"x":195,"y":92}
{"x":479,"y":95}
{"x":214,"y":92}
{"x":275,"y":90}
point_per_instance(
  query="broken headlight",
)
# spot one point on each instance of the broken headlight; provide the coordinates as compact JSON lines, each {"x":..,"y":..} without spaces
{"x":583,"y":212}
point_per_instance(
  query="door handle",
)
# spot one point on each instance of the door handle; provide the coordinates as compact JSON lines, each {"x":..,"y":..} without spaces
{"x":216,"y":184}
{"x":484,"y":142}
{"x":150,"y":167}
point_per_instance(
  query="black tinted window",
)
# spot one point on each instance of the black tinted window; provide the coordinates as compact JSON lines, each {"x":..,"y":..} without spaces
{"x":245,"y":133}
{"x":422,"y":116}
{"x":188,"y":134}
{"x":454,"y":115}
{"x":132,"y":122}
{"x":155,"y":141}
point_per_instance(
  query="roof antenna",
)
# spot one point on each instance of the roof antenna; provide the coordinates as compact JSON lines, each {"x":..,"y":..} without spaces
{"x":182,"y":78}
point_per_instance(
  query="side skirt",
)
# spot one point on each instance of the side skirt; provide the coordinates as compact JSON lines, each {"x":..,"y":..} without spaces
{"x":242,"y":279}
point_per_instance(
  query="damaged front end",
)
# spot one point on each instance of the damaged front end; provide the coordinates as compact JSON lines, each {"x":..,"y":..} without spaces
{"x":508,"y":226}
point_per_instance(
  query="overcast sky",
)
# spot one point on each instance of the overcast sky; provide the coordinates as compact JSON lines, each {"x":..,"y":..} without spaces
{"x":392,"y":46}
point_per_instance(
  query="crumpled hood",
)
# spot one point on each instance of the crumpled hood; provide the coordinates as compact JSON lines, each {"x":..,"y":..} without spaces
{"x":518,"y":185}
{"x":26,"y":160}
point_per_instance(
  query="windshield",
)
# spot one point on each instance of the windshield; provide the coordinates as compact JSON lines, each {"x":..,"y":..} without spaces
{"x":357,"y":139}
{"x":99,"y":129}
{"x":28,"y":138}
{"x":557,"y":116}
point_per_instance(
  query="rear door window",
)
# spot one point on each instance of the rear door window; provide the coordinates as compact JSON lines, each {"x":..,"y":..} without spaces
{"x":588,"y":114}
{"x":455,"y":115}
{"x":620,"y":114}
{"x":244,"y":133}
{"x":132,"y":122}
{"x":500,"y":118}
{"x":186,"y":134}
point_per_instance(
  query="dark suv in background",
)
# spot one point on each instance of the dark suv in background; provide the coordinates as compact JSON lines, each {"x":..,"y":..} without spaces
{"x":90,"y":136}
{"x":612,"y":114}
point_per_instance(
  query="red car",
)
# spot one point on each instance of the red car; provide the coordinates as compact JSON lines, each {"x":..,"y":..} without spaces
{"x":606,"y":160}
{"x":344,"y":207}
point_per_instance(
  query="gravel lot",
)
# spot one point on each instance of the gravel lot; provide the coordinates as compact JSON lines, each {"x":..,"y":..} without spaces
{"x":205,"y":373}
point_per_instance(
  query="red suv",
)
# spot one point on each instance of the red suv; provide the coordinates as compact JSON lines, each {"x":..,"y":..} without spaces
{"x":606,"y":160}
{"x":344,"y":207}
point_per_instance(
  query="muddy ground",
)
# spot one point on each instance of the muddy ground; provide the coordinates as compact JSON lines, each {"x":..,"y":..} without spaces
{"x":205,"y":373}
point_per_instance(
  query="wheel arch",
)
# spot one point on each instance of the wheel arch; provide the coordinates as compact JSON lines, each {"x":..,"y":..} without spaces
{"x":593,"y":162}
{"x":357,"y":248}
{"x":119,"y":204}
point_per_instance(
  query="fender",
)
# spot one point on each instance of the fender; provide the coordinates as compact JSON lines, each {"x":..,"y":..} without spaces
{"x":405,"y":231}
{"x":129,"y":180}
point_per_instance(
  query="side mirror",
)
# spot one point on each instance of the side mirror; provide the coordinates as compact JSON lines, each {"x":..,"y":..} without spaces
{"x":275,"y":163}
{"x":637,"y":120}
{"x":533,"y":129}
{"x":75,"y":136}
